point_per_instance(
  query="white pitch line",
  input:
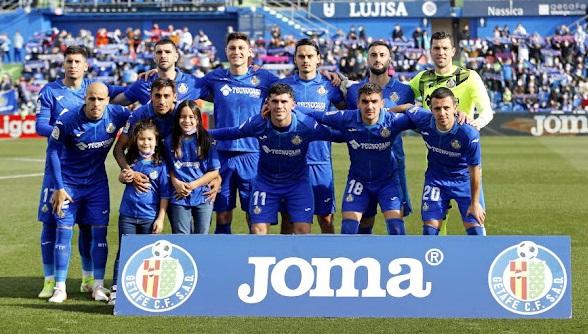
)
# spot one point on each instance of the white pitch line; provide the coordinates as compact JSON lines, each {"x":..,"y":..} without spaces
{"x":26,"y":159}
{"x":9,"y":177}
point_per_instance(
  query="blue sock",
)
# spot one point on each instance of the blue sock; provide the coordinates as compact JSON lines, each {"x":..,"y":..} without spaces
{"x":99,"y":250}
{"x":222,"y":229}
{"x":48,"y":232}
{"x":349,"y":226}
{"x":62,"y":253}
{"x":85,"y":246}
{"x":430,"y":230}
{"x":395,"y":226}
{"x":365,"y":230}
{"x":475,"y":230}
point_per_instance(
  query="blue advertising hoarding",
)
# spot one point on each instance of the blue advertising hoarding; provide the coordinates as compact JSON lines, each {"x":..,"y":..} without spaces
{"x":482,"y":8}
{"x":345,"y":276}
{"x":363,"y":9}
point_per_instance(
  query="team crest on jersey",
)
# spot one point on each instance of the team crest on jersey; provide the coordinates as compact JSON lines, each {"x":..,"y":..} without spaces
{"x":257,"y":210}
{"x":450,"y":83}
{"x":394,"y":97}
{"x":182,"y":88}
{"x":225,"y":90}
{"x":159,"y":277}
{"x":110,"y":128}
{"x":44,"y":209}
{"x":254,"y":80}
{"x":55,"y":133}
{"x":321,"y":90}
{"x":127,"y":127}
{"x":425,"y":207}
{"x":349,"y":198}
{"x":153,"y":175}
{"x":296,"y":140}
{"x":178,"y":164}
{"x":527,"y":279}
{"x":455,"y":144}
{"x":385,"y":132}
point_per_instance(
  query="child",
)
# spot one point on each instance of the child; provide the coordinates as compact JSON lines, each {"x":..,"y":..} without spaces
{"x":142,"y":212}
{"x":193,"y":162}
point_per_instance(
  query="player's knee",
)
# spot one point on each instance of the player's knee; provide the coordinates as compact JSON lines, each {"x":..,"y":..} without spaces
{"x":301,"y":228}
{"x":474,"y":229}
{"x":259,"y":228}
{"x":367,"y":222}
{"x":224,"y":218}
{"x":430,"y":230}
{"x":349,"y":226}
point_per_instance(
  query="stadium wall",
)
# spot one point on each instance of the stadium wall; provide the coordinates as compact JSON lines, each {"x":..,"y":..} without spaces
{"x":26,"y":24}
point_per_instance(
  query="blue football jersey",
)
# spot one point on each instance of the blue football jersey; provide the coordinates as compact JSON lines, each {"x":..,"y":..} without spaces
{"x":164,"y":124}
{"x":318,"y":94}
{"x":188,"y":87}
{"x":78,"y":146}
{"x":394,"y":93}
{"x":282,"y":157}
{"x":236,"y":99}
{"x":190,"y":167}
{"x":145,"y":205}
{"x":449,"y":153}
{"x":370,"y":146}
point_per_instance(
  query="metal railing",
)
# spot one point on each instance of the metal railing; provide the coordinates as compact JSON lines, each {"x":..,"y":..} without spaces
{"x":299,"y":14}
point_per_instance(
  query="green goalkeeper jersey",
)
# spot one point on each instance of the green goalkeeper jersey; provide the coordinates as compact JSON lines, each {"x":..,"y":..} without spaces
{"x":467,"y":86}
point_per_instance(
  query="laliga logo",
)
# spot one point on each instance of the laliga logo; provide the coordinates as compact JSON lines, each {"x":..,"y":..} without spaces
{"x":159,"y":277}
{"x":406,"y":277}
{"x":527,"y":279}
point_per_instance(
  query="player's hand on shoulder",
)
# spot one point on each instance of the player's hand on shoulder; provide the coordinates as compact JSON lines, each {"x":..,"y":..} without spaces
{"x":265,"y":110}
{"x":146,"y":75}
{"x":401,"y":108}
{"x":464,"y":118}
{"x":333,"y":77}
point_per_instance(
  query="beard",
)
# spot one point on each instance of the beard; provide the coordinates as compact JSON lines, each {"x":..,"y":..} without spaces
{"x":378,"y":71}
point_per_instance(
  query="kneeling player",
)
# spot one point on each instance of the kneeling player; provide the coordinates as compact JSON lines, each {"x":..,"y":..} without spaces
{"x":454,"y":160}
{"x":283,"y":170}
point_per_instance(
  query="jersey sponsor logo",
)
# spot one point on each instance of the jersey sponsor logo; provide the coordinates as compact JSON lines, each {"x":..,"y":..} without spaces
{"x":296,"y":140}
{"x":187,"y":164}
{"x":424,"y":133}
{"x":182,"y":88}
{"x":255,"y":80}
{"x":352,"y":130}
{"x":369,"y":146}
{"x":264,"y":137}
{"x":455,"y":144}
{"x":110,"y":128}
{"x":385,"y":132}
{"x":226,"y":90}
{"x":321,"y":90}
{"x":405,"y":278}
{"x":289,"y":153}
{"x":442,"y":151}
{"x":159,"y":277}
{"x":104,"y":212}
{"x":527,"y":279}
{"x":58,"y":98}
{"x":153,"y":175}
{"x":252,"y":92}
{"x":307,"y":209}
{"x":63,"y":111}
{"x":314,"y":105}
{"x":55,"y":133}
{"x":394,"y":97}
{"x":334,"y":112}
{"x":414,"y":109}
{"x":95,"y":145}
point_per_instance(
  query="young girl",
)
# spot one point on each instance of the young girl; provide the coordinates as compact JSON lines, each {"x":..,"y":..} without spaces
{"x":142,"y":212}
{"x":193,"y":162}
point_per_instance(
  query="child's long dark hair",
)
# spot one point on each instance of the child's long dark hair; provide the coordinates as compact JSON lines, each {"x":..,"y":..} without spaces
{"x":203,"y":137}
{"x":133,"y":152}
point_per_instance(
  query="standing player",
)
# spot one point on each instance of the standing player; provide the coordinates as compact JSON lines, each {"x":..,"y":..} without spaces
{"x":454,"y":160}
{"x":283,"y":169}
{"x":373,"y":174}
{"x":238,"y":93}
{"x":78,"y":147}
{"x":312,"y":90}
{"x":394,"y":93}
{"x":166,"y":55}
{"x":57,"y":98}
{"x":466,"y":84}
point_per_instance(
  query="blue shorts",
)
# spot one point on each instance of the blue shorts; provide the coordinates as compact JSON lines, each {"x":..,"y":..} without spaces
{"x":238,"y":169}
{"x":296,"y":198}
{"x":91,"y":205}
{"x":438,"y":194}
{"x":45,"y":211}
{"x":323,"y":188}
{"x":400,"y":158}
{"x":359,"y":194}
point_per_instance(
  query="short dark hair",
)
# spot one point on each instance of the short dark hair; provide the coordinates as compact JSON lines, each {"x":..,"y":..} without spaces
{"x":369,"y":88}
{"x":438,"y":35}
{"x":379,"y":43}
{"x":160,"y":83}
{"x":441,"y":93}
{"x":279,"y":89}
{"x":308,"y":42}
{"x":166,"y":41}
{"x":76,"y":50}
{"x":237,"y":35}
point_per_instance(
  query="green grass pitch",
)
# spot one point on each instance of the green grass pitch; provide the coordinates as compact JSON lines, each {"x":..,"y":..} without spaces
{"x":533,"y":186}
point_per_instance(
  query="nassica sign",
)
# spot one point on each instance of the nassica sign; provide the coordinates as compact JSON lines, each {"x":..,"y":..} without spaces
{"x":345,"y":276}
{"x":478,"y":8}
{"x":363,"y":9}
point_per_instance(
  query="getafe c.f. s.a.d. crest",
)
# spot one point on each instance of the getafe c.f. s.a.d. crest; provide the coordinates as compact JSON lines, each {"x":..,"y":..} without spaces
{"x":159,"y":277}
{"x":296,"y":140}
{"x":254,"y":80}
{"x":527,"y":279}
{"x":385,"y":132}
{"x":455,"y":144}
{"x":321,"y":90}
